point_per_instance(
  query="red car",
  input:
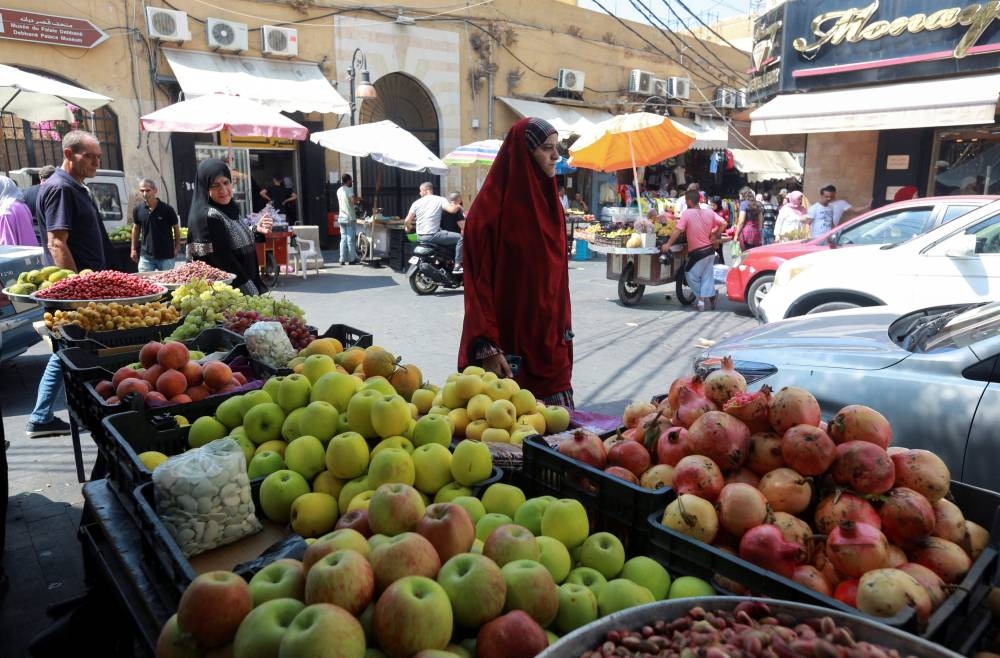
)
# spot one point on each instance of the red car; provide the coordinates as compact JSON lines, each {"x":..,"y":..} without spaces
{"x":893,"y":223}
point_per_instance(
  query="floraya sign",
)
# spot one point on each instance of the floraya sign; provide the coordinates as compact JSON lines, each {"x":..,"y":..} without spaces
{"x":855,"y":25}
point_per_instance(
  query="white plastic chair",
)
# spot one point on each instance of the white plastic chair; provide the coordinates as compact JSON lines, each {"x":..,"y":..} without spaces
{"x":307,"y":250}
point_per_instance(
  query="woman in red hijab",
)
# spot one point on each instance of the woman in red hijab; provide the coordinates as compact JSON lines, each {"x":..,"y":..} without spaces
{"x":517,"y":270}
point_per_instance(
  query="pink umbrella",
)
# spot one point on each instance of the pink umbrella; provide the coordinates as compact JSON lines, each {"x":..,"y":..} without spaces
{"x":242,"y":117}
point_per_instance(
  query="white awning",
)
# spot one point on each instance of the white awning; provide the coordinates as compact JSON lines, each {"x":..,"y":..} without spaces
{"x":567,"y":120}
{"x":941,"y":102}
{"x":711,"y":133}
{"x":766,"y":165}
{"x":278,"y":84}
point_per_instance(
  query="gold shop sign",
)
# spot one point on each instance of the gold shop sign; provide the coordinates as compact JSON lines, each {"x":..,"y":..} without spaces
{"x":228,"y":139}
{"x":855,"y":25}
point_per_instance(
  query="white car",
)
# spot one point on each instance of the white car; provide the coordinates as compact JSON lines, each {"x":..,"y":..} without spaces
{"x":955,"y":263}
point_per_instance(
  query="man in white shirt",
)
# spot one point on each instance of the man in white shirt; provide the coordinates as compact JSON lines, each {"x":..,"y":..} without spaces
{"x":843,"y":209}
{"x":347,"y":221}
{"x":425,"y":213}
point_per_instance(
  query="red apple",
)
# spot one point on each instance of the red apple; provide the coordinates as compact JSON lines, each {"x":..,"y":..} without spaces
{"x":513,"y":635}
{"x":449,"y":528}
{"x":406,"y":554}
{"x":412,"y":615}
{"x":510,"y":542}
{"x":631,"y":455}
{"x":212,"y":607}
{"x":356,"y":519}
{"x":343,"y":578}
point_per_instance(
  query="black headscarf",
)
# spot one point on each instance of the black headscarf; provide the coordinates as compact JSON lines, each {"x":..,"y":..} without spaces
{"x":208,"y":171}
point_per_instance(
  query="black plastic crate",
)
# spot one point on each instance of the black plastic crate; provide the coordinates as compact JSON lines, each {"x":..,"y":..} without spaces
{"x":676,"y":550}
{"x":73,"y":335}
{"x":612,"y":504}
{"x":348,"y":336}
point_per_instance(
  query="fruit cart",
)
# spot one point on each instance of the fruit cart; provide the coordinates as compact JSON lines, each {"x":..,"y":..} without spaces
{"x":636,"y":268}
{"x":272,"y":256}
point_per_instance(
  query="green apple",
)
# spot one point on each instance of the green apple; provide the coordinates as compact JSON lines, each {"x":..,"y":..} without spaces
{"x":337,"y":388}
{"x":359,"y":412}
{"x":395,"y":508}
{"x":313,"y":514}
{"x":277,"y":446}
{"x":377,"y":540}
{"x":331,"y":542}
{"x":360,"y":502}
{"x":343,"y":423}
{"x":688,"y":586}
{"x":263,"y":422}
{"x":393,"y":442}
{"x":380,"y":384}
{"x":530,"y":588}
{"x":293,"y":392}
{"x":413,"y":614}
{"x":343,"y":578}
{"x":351,"y":489}
{"x":473,"y":506}
{"x":497,"y":390}
{"x":524,"y":401}
{"x":566,"y":520}
{"x":604,"y":552}
{"x":475,"y":587}
{"x":488,"y":522}
{"x":271,"y":387}
{"x":529,"y":514}
{"x":495,"y":435}
{"x":205,"y":430}
{"x":475,"y":429}
{"x":620,"y":594}
{"x":347,"y":455}
{"x":317,"y":365}
{"x":556,"y":418}
{"x":230,"y":412}
{"x":511,"y":386}
{"x":510,"y":542}
{"x":577,"y":607}
{"x":319,"y":419}
{"x":306,"y":456}
{"x":432,"y":428}
{"x":278,"y":491}
{"x":501,"y":414}
{"x":391,"y":465}
{"x":450,"y":397}
{"x":535,"y":421}
{"x":554,"y":556}
{"x":471,"y":463}
{"x":290,"y":428}
{"x":587,"y":577}
{"x":467,"y":386}
{"x":520,"y":434}
{"x":327,"y":482}
{"x":440,"y":410}
{"x":246,"y":444}
{"x":390,"y":415}
{"x":451,"y":491}
{"x":423,"y":398}
{"x":649,"y":573}
{"x":432,"y":468}
{"x":261,"y":632}
{"x":282,"y":579}
{"x":323,"y":630}
{"x":503,"y":498}
{"x":265,"y":463}
{"x":478,"y":405}
{"x":459,"y":420}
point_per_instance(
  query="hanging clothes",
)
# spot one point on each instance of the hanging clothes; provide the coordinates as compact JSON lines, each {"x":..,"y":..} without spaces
{"x":713,"y":163}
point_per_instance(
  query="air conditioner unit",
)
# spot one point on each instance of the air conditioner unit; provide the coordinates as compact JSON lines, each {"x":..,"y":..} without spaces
{"x":742,"y":99}
{"x":679,"y":88}
{"x":640,"y":82}
{"x":167,"y":24}
{"x":725,"y":98}
{"x":660,"y":88}
{"x":570,"y":80}
{"x":282,"y":41}
{"x":226,"y":35}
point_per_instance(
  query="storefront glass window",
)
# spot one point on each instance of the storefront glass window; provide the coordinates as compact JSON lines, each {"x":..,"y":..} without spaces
{"x":968,"y":161}
{"x":238,"y":160}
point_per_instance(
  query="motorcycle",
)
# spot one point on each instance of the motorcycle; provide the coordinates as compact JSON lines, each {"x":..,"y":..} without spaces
{"x":431,"y":267}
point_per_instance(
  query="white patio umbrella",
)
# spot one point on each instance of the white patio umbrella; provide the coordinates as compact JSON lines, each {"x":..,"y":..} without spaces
{"x":384,"y":142}
{"x":37,"y":98}
{"x":214,"y":112}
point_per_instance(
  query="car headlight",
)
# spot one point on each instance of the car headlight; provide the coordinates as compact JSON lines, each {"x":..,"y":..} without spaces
{"x":788,"y":271}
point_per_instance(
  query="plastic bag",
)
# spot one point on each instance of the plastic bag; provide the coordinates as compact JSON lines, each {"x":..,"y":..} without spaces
{"x":736,"y":252}
{"x":203,"y":497}
{"x":268,"y":343}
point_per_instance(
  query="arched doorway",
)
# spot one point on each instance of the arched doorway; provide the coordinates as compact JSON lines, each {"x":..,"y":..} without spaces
{"x":405,"y":101}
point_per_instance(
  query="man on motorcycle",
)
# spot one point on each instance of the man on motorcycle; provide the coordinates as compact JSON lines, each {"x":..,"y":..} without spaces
{"x":425,"y":213}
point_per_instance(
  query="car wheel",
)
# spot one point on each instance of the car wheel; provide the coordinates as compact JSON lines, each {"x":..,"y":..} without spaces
{"x":755,"y":293}
{"x":832,"y":306}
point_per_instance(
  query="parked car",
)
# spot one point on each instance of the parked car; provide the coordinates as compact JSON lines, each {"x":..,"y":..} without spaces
{"x":17,"y":332}
{"x":749,"y":281}
{"x":957,"y":262}
{"x":933,"y":373}
{"x":108,"y":187}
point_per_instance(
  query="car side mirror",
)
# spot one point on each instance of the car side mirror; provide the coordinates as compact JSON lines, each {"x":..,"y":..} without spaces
{"x":960,"y":246}
{"x":833,"y":240}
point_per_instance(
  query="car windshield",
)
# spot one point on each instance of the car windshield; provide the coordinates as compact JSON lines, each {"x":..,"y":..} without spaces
{"x":953,"y":329}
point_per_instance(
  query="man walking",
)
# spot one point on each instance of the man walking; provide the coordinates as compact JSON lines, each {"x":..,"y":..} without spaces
{"x":347,"y":220}
{"x":426,"y":214}
{"x":156,"y":232}
{"x":76,"y":241}
{"x":31,"y":199}
{"x":819,"y":217}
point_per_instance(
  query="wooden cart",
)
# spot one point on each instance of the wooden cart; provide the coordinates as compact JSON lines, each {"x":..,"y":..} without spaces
{"x":634,"y":269}
{"x":272,"y":256}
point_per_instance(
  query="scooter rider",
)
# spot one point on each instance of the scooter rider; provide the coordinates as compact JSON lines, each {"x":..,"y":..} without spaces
{"x":425,"y":214}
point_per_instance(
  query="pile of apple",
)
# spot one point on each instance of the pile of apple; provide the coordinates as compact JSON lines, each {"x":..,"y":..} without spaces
{"x":495,"y":577}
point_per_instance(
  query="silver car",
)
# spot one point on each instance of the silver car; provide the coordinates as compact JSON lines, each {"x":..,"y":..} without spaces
{"x":933,"y":373}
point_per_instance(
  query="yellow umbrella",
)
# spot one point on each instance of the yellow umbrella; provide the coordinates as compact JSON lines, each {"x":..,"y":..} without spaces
{"x":630,"y":140}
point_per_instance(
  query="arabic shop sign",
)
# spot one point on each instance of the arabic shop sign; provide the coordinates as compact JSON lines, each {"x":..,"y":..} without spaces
{"x":45,"y":28}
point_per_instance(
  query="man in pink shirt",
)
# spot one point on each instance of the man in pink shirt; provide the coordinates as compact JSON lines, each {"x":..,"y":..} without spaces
{"x":700,"y":226}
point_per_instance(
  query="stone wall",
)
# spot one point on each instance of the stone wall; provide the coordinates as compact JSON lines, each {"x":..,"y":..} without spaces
{"x":846,"y":160}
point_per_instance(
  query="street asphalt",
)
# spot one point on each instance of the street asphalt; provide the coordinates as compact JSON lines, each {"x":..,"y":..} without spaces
{"x":621,"y":354}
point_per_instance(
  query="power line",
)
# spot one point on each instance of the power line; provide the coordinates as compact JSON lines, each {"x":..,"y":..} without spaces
{"x":698,"y":18}
{"x":735,"y":73}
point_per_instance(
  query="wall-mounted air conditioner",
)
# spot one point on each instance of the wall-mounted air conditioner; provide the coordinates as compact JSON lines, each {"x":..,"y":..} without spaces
{"x":660,"y":88}
{"x":679,"y":88}
{"x":570,"y":80}
{"x":167,"y":24}
{"x":229,"y":36}
{"x":725,"y":98}
{"x":640,"y":82}
{"x":282,"y":41}
{"x":742,"y":99}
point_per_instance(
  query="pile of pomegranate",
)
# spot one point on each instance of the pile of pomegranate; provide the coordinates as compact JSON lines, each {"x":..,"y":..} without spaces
{"x":106,"y":284}
{"x":829,"y":505}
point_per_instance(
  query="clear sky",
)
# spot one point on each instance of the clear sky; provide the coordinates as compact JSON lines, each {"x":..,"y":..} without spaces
{"x":708,"y":10}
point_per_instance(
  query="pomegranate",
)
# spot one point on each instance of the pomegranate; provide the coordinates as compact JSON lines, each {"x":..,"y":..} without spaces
{"x":864,"y":467}
{"x":673,"y":393}
{"x":793,"y":406}
{"x":631,"y":455}
{"x":809,"y":576}
{"x":886,"y":592}
{"x":844,"y":506}
{"x":741,"y":507}
{"x":765,"y":546}
{"x":691,"y":403}
{"x":976,"y":539}
{"x":633,"y":434}
{"x":906,"y":516}
{"x":724,"y":383}
{"x":807,"y":449}
{"x":765,"y":452}
{"x":786,"y":490}
{"x":585,"y":446}
{"x":856,"y":422}
{"x":847,"y":592}
{"x":794,"y":529}
{"x":751,"y":408}
{"x":825,"y":567}
{"x":923,"y":471}
{"x":692,"y":516}
{"x":698,"y":475}
{"x":945,"y":558}
{"x":896,"y":556}
{"x":657,"y":477}
{"x":651,"y":426}
{"x":744,"y":475}
{"x":672,"y":445}
{"x":855,"y":548}
{"x":929,"y":580}
{"x":949,"y":522}
{"x":622,"y":473}
{"x":636,"y":410}
{"x":722,"y":438}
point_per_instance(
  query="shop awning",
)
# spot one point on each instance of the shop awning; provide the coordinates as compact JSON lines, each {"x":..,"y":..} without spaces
{"x":766,"y":165}
{"x":710,"y":133}
{"x":941,"y":102}
{"x":566,"y":119}
{"x":278,"y":84}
